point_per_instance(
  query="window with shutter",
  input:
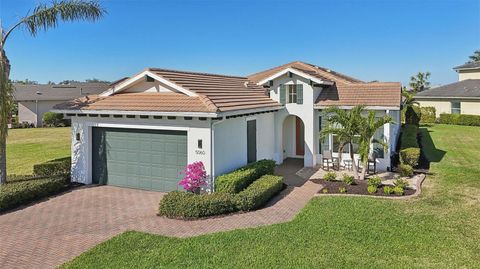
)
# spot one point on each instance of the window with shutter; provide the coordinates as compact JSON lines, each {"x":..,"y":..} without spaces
{"x":299,"y":94}
{"x":283,"y":94}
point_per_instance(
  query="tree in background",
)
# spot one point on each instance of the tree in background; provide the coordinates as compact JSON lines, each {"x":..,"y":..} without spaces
{"x":43,"y":17}
{"x":419,"y":82}
{"x":475,"y":57}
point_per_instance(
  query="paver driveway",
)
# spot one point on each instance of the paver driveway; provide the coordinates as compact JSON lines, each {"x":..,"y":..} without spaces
{"x":49,"y":233}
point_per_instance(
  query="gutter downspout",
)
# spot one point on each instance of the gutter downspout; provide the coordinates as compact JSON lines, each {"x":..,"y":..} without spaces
{"x":212,"y":149}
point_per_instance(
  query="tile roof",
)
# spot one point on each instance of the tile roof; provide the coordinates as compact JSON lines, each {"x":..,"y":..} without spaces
{"x":469,"y":65}
{"x":313,"y":70}
{"x":164,"y":102}
{"x":368,"y":94}
{"x":466,"y":88}
{"x":224,"y":92}
{"x":31,"y":92}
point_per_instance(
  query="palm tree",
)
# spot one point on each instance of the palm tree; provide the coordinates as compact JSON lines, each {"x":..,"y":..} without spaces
{"x":475,"y":57}
{"x":346,"y":125}
{"x":419,"y":82}
{"x":370,"y":125}
{"x":43,"y":17}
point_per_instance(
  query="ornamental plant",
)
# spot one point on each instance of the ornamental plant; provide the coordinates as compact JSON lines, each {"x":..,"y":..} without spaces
{"x":194,"y":177}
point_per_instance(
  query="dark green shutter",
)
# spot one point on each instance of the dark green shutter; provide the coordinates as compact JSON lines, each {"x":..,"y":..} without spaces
{"x":299,"y":94}
{"x":283,"y":94}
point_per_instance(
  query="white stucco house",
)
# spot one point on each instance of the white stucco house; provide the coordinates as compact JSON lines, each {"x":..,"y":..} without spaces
{"x":142,"y":131}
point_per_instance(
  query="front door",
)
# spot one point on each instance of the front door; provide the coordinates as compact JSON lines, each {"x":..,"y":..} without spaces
{"x":251,"y":141}
{"x":299,"y":137}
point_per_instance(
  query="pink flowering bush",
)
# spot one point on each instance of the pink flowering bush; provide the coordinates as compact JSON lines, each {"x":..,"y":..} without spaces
{"x":194,"y":177}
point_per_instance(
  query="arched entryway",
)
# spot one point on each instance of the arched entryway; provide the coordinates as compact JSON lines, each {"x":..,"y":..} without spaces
{"x":293,"y":137}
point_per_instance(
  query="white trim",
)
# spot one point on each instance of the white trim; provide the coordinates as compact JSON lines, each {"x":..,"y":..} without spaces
{"x":366,"y":107}
{"x":123,"y":85}
{"x":148,"y":113}
{"x":135,"y":126}
{"x":447,"y":97}
{"x":296,"y":72}
{"x":248,"y":111}
{"x":466,"y":68}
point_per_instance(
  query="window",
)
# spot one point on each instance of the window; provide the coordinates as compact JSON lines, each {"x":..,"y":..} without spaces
{"x":456,"y":108}
{"x":291,"y":93}
{"x":377,"y":148}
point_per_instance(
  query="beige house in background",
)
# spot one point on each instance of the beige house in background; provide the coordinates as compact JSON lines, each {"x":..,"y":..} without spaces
{"x":35,"y":99}
{"x":462,"y":97}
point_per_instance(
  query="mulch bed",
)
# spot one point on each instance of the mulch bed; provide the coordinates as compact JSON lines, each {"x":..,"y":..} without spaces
{"x":359,"y":187}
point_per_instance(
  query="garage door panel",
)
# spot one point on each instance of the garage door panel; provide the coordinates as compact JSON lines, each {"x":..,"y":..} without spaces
{"x":143,"y":159}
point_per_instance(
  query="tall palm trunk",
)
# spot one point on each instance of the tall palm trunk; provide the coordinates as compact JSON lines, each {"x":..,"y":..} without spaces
{"x":4,"y":110}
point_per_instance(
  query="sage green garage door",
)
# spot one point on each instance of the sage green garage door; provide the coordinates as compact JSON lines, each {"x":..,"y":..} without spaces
{"x":143,"y":159}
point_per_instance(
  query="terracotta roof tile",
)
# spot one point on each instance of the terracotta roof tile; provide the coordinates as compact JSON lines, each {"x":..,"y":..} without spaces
{"x":368,"y":94}
{"x":161,"y":102}
{"x":313,"y":70}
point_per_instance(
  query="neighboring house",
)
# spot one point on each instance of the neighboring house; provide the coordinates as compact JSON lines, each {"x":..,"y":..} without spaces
{"x":462,"y":97}
{"x":34,"y":100}
{"x":144,"y":130}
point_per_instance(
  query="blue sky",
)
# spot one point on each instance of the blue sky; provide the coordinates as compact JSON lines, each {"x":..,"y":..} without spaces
{"x":371,"y":40}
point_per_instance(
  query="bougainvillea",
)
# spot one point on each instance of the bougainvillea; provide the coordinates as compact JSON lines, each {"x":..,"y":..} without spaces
{"x":194,"y":177}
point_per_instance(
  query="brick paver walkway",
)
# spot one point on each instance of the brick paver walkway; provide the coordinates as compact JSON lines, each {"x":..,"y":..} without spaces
{"x":49,"y":233}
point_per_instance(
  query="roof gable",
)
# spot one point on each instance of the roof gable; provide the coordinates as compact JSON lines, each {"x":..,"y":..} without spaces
{"x":321,"y":73}
{"x":127,"y":83}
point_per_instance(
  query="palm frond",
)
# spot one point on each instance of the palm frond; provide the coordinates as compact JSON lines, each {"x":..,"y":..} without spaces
{"x":46,"y":16}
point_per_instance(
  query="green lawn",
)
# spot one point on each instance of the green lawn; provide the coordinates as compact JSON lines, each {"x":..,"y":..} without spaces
{"x":439,"y":229}
{"x":26,"y":147}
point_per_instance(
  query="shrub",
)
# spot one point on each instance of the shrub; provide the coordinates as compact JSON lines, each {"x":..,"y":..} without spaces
{"x":460,"y":119}
{"x":187,"y":205}
{"x":51,"y":119}
{"x":349,"y":180}
{"x":194,"y":177}
{"x":409,"y":137}
{"x":239,"y":179}
{"x":258,"y":193}
{"x":330,"y":176}
{"x":325,"y":190}
{"x":402,"y":183}
{"x":405,"y":170}
{"x":388,"y":190}
{"x":428,"y":114}
{"x":413,"y":115}
{"x":375,"y":181}
{"x":398,"y":190}
{"x":58,"y":167}
{"x":342,"y":190}
{"x":410,"y":156}
{"x":13,"y":194}
{"x":372,"y":189}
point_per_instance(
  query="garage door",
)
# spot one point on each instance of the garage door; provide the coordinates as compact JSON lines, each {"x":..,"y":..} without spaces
{"x":143,"y":159}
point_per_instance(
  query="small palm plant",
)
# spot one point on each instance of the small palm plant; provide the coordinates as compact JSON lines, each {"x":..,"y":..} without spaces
{"x":370,"y":125}
{"x":346,"y":125}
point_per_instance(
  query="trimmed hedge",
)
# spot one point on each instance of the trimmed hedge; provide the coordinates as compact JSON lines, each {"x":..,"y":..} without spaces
{"x":58,"y":167}
{"x":239,"y":179}
{"x":187,"y":205}
{"x":410,"y":156}
{"x":409,"y":137}
{"x":413,"y":114}
{"x":460,"y":119}
{"x":258,"y":193}
{"x":428,"y":114}
{"x":409,"y":148}
{"x":13,"y":194}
